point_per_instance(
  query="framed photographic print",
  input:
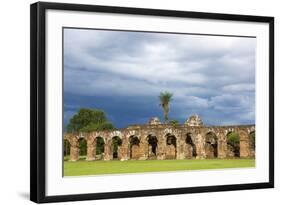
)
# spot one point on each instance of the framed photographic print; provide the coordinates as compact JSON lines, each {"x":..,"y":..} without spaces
{"x":129,"y":102}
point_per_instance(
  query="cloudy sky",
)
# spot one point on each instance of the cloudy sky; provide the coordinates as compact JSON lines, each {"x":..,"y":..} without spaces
{"x":123,"y":73}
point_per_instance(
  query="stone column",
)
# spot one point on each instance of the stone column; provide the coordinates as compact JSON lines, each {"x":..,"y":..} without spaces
{"x":74,"y":147}
{"x":143,"y":148}
{"x":180,"y":147}
{"x":147,"y":148}
{"x":222,"y":145}
{"x":244,"y":144}
{"x":108,"y":149}
{"x":161,"y":148}
{"x":124,"y":149}
{"x":200,"y":146}
{"x":91,"y":148}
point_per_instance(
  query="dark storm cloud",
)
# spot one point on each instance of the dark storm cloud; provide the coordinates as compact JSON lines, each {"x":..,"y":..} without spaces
{"x":124,"y":72}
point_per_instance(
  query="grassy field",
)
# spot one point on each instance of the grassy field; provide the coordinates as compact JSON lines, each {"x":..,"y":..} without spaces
{"x":83,"y":167}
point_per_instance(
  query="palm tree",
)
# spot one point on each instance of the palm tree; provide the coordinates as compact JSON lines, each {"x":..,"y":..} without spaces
{"x":165,"y":98}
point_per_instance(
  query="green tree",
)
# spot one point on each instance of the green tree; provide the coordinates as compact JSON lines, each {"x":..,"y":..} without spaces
{"x":174,"y":122}
{"x":165,"y":99}
{"x":233,"y":140}
{"x":82,"y":147}
{"x":97,"y":127}
{"x":87,"y":120}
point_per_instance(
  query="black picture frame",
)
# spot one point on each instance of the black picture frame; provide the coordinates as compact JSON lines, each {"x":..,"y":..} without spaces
{"x":38,"y":100}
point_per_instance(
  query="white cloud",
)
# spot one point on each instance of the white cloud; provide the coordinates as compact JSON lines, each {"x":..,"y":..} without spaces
{"x":239,"y":87}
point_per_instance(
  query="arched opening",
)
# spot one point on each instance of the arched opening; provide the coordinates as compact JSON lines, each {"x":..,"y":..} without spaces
{"x":82,"y":148}
{"x":233,"y":144}
{"x":66,"y":149}
{"x":134,"y":147}
{"x":190,"y":147}
{"x":116,"y":143}
{"x":171,"y":146}
{"x":152,"y":146}
{"x":253,"y":140}
{"x":99,"y":148}
{"x":211,"y":145}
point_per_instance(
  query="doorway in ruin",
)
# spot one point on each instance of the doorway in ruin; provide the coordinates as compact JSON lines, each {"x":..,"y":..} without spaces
{"x":211,"y":145}
{"x":171,"y":147}
{"x":233,"y":144}
{"x":99,"y":148}
{"x":134,"y":143}
{"x":82,"y":148}
{"x":190,"y":150}
{"x":66,"y":149}
{"x":116,"y":143}
{"x":252,"y":139}
{"x":152,"y":146}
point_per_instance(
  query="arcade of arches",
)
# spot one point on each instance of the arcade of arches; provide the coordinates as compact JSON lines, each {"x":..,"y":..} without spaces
{"x":164,"y":141}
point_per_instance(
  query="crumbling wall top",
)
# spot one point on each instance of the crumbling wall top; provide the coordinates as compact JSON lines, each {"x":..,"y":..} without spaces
{"x":194,"y":120}
{"x":154,"y":121}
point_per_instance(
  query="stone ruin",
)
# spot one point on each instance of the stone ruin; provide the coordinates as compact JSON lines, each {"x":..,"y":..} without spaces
{"x":194,"y":120}
{"x":154,"y":121}
{"x":154,"y":140}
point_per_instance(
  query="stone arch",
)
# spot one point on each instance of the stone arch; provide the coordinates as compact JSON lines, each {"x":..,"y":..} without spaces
{"x":233,"y":144}
{"x":100,"y":144}
{"x":134,"y":144}
{"x":116,"y":144}
{"x":211,"y":145}
{"x":152,"y":142}
{"x":171,"y":146}
{"x":190,"y":147}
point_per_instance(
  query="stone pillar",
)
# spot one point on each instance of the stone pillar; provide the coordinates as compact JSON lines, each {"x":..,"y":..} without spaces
{"x":244,"y":144}
{"x":74,"y":147}
{"x":188,"y":151}
{"x":107,"y":150}
{"x":161,"y":148}
{"x":180,"y":147}
{"x":147,"y":148}
{"x":91,"y":148}
{"x":200,"y":146}
{"x":124,"y":149}
{"x":143,"y":148}
{"x":222,"y":145}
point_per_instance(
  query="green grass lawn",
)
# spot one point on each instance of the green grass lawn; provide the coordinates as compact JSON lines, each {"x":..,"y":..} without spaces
{"x":83,"y":167}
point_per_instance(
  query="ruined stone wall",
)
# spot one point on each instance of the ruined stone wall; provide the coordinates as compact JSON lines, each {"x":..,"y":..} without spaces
{"x":198,"y":142}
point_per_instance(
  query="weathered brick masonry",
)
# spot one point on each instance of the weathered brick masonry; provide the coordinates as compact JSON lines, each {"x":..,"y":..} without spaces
{"x":166,"y":141}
